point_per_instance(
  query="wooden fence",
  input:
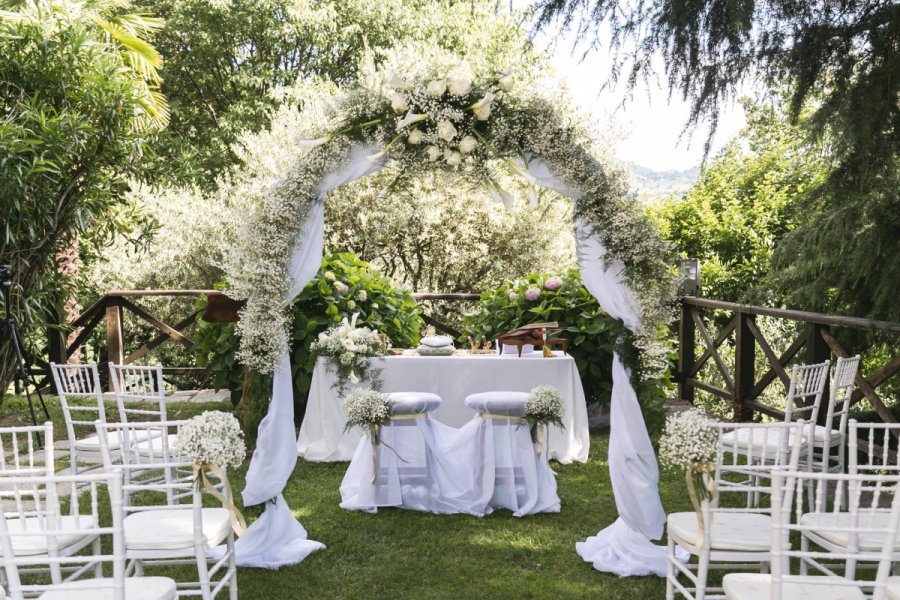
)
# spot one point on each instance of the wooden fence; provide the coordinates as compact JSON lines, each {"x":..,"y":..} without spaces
{"x":743,"y":386}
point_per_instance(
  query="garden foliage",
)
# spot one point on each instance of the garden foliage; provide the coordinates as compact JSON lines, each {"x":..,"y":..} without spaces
{"x":344,"y":286}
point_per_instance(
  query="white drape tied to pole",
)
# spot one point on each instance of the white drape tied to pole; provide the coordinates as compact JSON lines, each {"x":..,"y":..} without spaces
{"x":277,"y":538}
{"x":624,"y":547}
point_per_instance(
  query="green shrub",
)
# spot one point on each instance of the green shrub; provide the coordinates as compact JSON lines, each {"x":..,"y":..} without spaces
{"x":370,"y":294}
{"x":592,"y":333}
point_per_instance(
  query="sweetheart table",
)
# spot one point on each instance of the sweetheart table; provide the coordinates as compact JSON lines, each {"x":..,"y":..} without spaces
{"x":323,"y":439}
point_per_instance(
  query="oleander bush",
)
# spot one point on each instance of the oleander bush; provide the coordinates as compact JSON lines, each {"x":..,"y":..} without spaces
{"x":591,"y":332}
{"x":344,"y":286}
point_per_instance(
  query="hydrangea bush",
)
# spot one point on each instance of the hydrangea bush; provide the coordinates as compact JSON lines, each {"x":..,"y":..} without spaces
{"x":378,"y":304}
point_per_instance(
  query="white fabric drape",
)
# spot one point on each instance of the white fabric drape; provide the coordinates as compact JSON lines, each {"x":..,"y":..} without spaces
{"x":276,"y":538}
{"x":624,"y":547}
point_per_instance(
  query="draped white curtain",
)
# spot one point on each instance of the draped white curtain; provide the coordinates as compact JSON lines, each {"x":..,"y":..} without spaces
{"x":277,"y":538}
{"x":624,"y":547}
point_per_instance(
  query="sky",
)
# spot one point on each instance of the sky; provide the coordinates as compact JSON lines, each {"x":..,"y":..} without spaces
{"x":649,"y":123}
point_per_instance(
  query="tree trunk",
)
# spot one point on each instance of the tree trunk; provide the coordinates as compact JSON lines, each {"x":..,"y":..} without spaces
{"x":67,"y":266}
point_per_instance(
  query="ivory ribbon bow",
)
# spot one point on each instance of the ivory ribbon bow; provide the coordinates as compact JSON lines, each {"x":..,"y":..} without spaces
{"x":237,"y":519}
{"x":711,"y":493}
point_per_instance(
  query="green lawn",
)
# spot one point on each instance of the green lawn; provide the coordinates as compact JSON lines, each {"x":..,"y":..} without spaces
{"x":401,"y":554}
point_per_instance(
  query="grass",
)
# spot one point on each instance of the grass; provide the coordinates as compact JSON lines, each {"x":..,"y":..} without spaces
{"x":404,"y":554}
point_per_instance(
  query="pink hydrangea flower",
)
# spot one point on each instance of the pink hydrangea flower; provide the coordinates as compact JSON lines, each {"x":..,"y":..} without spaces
{"x":341,"y":288}
{"x":513,"y":296}
{"x":554,"y":283}
{"x":532,"y":294}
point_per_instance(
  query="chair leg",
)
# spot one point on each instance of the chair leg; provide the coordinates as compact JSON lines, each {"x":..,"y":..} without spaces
{"x":804,"y":548}
{"x":138,"y":568}
{"x":203,"y":575}
{"x":670,"y":570}
{"x":702,"y":575}
{"x":232,"y":568}
{"x":98,"y":569}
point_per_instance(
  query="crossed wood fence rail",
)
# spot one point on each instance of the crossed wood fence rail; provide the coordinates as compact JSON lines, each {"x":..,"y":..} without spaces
{"x":741,"y":388}
{"x":112,"y":307}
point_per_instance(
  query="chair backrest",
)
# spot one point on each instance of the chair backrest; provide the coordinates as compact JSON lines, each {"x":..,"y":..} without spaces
{"x":133,"y":383}
{"x":52,"y":530}
{"x":805,"y":392}
{"x":146,"y":448}
{"x":83,"y":382}
{"x":791,"y":517}
{"x":842,"y":384}
{"x":748,"y":452}
{"x":872,"y":450}
{"x":27,"y":450}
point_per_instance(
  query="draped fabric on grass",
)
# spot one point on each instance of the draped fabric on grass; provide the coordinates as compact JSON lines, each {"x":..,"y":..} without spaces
{"x":277,"y":538}
{"x":623,"y":548}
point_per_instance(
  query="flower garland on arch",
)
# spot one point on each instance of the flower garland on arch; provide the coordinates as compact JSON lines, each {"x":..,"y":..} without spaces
{"x":476,"y":127}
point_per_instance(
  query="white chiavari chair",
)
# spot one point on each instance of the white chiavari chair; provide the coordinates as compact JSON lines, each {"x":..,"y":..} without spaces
{"x":80,"y":382}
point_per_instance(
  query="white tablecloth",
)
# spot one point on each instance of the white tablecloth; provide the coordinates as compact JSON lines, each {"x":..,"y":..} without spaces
{"x":322,"y":437}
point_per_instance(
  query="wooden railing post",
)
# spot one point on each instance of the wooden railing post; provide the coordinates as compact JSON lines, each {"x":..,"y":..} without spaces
{"x":114,"y":346}
{"x":687,"y":342}
{"x":744,"y":367}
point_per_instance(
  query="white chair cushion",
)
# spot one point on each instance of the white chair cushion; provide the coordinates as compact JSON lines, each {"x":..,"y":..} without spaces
{"x":92,"y":443}
{"x":757,"y":439}
{"x":408,"y":403}
{"x":154,"y":447}
{"x":173,"y":528}
{"x":30,"y":545}
{"x":136,"y":588}
{"x":756,"y":586}
{"x":875,"y":521}
{"x":819,"y":435}
{"x":893,"y":588}
{"x":742,"y":532}
{"x":498,"y":403}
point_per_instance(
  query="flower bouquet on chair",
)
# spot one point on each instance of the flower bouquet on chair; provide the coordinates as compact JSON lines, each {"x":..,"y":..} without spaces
{"x":215,"y":442}
{"x":689,"y":443}
{"x":367,"y":409}
{"x":542,"y":409}
{"x":348,"y":349}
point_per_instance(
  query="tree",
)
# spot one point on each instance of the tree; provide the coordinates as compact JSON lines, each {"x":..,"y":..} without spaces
{"x":77,"y":100}
{"x":840,"y":62}
{"x":230,"y":64}
{"x":744,"y":204}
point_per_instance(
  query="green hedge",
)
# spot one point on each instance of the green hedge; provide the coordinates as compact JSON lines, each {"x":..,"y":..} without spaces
{"x":371,"y":295}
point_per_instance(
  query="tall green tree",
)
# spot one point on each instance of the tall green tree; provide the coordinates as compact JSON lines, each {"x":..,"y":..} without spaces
{"x":744,"y":204}
{"x":229,"y":64}
{"x":840,"y":62}
{"x":78,"y":99}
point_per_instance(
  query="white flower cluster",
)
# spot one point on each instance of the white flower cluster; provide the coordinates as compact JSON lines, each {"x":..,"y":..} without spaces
{"x":365,"y":407}
{"x":349,"y":347}
{"x":689,"y":438}
{"x":213,"y":438}
{"x":544,"y":405}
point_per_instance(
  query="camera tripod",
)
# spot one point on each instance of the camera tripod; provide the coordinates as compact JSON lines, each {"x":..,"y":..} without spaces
{"x":22,"y":374}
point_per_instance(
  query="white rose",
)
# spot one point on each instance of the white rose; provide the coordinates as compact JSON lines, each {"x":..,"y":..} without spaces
{"x":506,"y":83}
{"x":436,"y":88}
{"x":398,"y":102}
{"x":483,"y":113}
{"x":415,"y":137}
{"x":433,"y":153}
{"x":409,"y":119}
{"x":460,"y":87}
{"x":468,"y":144}
{"x":397,"y":82}
{"x":454,"y":159}
{"x":446,"y":131}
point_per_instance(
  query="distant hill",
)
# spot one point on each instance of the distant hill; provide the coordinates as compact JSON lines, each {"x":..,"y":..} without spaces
{"x":653,"y":184}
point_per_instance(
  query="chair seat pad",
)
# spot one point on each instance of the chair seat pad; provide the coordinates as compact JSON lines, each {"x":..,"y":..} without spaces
{"x":893,"y":588}
{"x":498,"y":403}
{"x":820,"y":432}
{"x":756,"y":586}
{"x":874,"y":524}
{"x":92,"y":442}
{"x":136,"y":588}
{"x":173,"y":528}
{"x":742,"y":532}
{"x":72,"y":527}
{"x":154,"y":447}
{"x":410,"y":403}
{"x":758,"y":439}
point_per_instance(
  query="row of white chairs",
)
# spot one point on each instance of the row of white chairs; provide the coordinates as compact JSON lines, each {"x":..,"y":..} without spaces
{"x":846,"y":522}
{"x":157,"y":512}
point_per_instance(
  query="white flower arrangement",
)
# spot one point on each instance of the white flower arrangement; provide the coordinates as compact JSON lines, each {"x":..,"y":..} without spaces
{"x":689,"y":440}
{"x":544,"y":406}
{"x":212,"y":438}
{"x":348,"y":349}
{"x":365,"y":408}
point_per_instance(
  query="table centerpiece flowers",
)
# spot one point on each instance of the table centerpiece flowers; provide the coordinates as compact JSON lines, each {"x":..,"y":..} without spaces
{"x":348,"y":349}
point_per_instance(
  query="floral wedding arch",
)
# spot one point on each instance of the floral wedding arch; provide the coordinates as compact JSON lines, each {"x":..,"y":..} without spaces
{"x":478,"y":128}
